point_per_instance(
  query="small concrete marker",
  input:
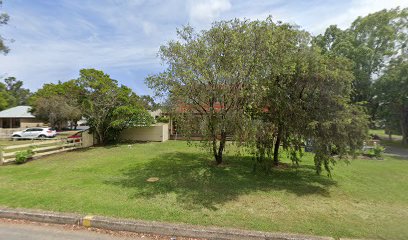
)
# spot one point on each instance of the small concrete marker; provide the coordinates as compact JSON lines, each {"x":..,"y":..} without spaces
{"x":152,"y":179}
{"x":87,"y":221}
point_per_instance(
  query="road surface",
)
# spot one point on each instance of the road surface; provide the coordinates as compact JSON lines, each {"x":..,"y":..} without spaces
{"x":12,"y":231}
{"x":397,"y":151}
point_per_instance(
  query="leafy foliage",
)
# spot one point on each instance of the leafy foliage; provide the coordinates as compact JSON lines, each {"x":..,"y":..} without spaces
{"x":207,"y":80}
{"x":12,"y":93}
{"x":295,"y":78}
{"x":262,"y":83}
{"x":58,"y":103}
{"x":6,"y":99}
{"x":56,"y":110}
{"x":392,"y":95}
{"x":4,"y":18}
{"x":148,"y":103}
{"x":15,"y":88}
{"x":23,"y":156}
{"x":108,"y":107}
{"x":369,"y":42}
{"x":163,"y":119}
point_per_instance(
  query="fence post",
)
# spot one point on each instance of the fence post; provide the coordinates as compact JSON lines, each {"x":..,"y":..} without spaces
{"x":1,"y":156}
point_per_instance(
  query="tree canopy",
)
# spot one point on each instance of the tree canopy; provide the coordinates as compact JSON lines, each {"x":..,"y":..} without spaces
{"x":264,"y":84}
{"x":12,"y":93}
{"x":370,"y":43}
{"x":392,"y":93}
{"x":107,"y":107}
{"x":4,"y":18}
{"x":58,"y":103}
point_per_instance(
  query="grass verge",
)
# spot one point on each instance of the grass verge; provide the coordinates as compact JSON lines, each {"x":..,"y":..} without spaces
{"x":365,"y":199}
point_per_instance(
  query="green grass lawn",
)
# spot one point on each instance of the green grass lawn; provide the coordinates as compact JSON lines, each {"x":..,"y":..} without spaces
{"x":365,"y":199}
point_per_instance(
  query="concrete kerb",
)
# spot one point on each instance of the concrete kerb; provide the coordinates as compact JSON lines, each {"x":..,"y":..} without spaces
{"x":40,"y":216}
{"x":157,"y":228}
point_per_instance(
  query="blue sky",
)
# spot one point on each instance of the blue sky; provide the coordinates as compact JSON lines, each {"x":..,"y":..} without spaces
{"x":54,"y":39}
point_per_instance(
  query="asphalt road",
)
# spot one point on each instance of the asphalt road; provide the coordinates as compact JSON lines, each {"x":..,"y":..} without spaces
{"x":10,"y":231}
{"x":397,"y":151}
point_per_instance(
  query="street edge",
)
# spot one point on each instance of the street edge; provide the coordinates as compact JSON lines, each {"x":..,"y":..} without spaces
{"x":150,"y":227}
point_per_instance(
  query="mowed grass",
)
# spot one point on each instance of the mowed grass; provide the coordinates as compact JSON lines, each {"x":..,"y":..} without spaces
{"x":365,"y":199}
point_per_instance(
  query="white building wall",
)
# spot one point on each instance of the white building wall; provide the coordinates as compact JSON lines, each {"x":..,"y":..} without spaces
{"x":154,"y":133}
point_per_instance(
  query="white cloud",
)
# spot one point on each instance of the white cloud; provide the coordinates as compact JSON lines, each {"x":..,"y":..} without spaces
{"x":207,"y":10}
{"x":149,"y":28}
{"x":357,"y":8}
{"x":56,"y":39}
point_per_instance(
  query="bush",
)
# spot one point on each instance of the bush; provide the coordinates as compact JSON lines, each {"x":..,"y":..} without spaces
{"x":162,"y":119}
{"x":23,"y":156}
{"x":376,"y":152}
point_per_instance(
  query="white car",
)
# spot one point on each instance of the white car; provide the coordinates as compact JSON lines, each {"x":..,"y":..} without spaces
{"x":35,"y":133}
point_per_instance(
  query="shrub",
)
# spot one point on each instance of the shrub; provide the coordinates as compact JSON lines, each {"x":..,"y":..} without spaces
{"x":378,"y":151}
{"x":162,"y":119}
{"x":23,"y":156}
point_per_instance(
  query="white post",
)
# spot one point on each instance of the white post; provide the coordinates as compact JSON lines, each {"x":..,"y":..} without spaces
{"x":1,"y":156}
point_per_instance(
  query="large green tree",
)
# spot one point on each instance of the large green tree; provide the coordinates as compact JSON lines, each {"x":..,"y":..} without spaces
{"x":302,"y":94}
{"x":58,"y":103}
{"x":12,"y":93}
{"x":264,"y":84}
{"x":148,"y":102}
{"x":207,"y":80}
{"x":392,"y":93}
{"x":370,"y":42}
{"x":4,"y":18}
{"x":108,"y":107}
{"x":56,"y":111}
{"x":15,"y":88}
{"x":6,"y":99}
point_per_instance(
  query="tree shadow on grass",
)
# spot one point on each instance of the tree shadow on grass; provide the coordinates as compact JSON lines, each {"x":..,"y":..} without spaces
{"x":197,"y":182}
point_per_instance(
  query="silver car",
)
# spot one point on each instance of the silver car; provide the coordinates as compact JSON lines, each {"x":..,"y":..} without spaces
{"x":35,"y":133}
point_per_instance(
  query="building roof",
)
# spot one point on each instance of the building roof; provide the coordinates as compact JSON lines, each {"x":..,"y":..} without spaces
{"x":17,"y":112}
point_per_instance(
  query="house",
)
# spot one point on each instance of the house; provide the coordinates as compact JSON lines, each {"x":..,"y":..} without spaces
{"x":18,"y":117}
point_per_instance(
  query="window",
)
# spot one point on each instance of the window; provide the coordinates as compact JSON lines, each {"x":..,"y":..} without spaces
{"x":15,"y":122}
{"x":6,"y":123}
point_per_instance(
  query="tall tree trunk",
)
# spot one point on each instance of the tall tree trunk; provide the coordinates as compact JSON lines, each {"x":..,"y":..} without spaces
{"x":277,"y":144}
{"x":219,"y":150}
{"x":222,"y":146}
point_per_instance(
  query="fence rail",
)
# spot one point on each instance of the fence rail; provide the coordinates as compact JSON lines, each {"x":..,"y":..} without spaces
{"x":39,"y":149}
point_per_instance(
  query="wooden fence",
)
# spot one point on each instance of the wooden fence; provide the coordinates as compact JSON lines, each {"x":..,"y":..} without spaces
{"x":40,"y":149}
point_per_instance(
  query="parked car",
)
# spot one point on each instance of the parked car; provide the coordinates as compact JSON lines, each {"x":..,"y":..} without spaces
{"x":35,"y":133}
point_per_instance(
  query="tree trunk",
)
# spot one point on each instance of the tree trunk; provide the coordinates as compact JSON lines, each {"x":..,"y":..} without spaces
{"x":222,"y":145}
{"x":215,"y":152}
{"x":404,"y":126}
{"x":218,"y":151}
{"x":277,"y":144}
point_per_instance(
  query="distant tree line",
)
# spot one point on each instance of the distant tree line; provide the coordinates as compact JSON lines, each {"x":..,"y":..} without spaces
{"x":12,"y":93}
{"x":376,"y":45}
